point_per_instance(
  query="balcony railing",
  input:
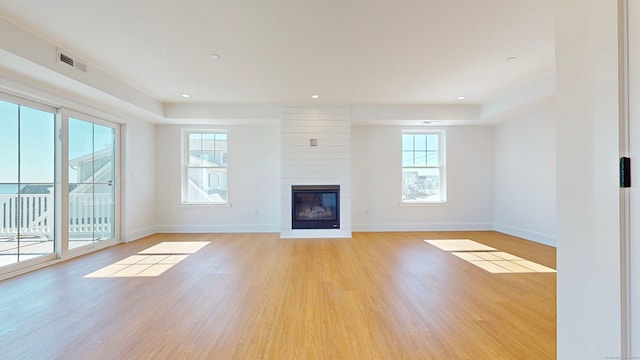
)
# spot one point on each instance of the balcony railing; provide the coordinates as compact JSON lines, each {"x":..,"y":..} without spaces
{"x":26,"y":214}
{"x":33,"y":214}
{"x":83,"y":208}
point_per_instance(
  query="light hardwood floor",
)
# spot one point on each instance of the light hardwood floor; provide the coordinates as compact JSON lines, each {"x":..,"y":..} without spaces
{"x":256,"y":296}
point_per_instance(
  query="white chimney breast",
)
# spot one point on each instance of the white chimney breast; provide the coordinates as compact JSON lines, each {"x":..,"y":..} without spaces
{"x":329,"y":164}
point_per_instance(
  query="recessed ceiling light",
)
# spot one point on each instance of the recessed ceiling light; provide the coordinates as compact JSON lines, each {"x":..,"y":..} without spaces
{"x":315,"y":96}
{"x":461,"y":97}
{"x":214,"y":56}
{"x":186,"y":96}
{"x":511,"y":58}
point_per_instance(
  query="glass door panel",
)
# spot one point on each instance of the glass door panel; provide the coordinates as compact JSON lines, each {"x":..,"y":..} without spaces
{"x":8,"y":143}
{"x":91,"y":182}
{"x":27,"y":183}
{"x":104,"y":182}
{"x":37,"y":183}
{"x":8,"y":183}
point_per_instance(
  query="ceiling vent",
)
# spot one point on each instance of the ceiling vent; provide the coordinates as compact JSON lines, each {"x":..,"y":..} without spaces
{"x":66,"y":59}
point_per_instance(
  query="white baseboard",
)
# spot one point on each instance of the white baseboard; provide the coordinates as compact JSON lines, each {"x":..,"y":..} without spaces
{"x":394,"y":227}
{"x":228,"y":228}
{"x":527,"y":234}
{"x":140,"y":233}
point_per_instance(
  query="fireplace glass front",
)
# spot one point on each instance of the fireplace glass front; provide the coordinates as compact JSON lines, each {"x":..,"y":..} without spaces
{"x":315,"y":207}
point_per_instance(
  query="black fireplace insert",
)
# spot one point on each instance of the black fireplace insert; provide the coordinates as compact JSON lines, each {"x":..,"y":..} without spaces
{"x":315,"y":207}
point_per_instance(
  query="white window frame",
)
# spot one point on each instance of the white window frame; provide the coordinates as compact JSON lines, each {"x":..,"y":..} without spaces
{"x":442,"y":189}
{"x":186,"y":166}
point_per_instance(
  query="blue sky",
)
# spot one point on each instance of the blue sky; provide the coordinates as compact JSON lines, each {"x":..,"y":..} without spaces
{"x":36,"y":144}
{"x":36,"y":131}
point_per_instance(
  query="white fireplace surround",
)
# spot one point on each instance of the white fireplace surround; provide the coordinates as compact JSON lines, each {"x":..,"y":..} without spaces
{"x":324,"y":161}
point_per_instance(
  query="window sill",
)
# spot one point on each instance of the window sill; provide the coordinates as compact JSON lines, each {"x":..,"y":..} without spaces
{"x":205,"y":205}
{"x":422,"y":203}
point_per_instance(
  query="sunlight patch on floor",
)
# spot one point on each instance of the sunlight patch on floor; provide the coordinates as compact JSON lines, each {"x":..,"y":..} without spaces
{"x":488,"y":258}
{"x":459,"y":245}
{"x":152,"y":261}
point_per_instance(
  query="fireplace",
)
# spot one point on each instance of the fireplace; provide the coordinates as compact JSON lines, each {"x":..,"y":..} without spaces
{"x":315,"y":207}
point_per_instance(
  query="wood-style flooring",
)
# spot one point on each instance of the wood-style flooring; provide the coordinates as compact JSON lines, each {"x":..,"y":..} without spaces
{"x":256,"y":296}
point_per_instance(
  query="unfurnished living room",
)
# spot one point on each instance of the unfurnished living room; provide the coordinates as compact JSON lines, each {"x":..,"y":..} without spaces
{"x":306,"y":179}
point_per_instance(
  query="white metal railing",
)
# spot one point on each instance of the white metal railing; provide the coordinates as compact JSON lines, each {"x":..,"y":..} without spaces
{"x":91,"y":213}
{"x":26,"y":214}
{"x":33,"y":214}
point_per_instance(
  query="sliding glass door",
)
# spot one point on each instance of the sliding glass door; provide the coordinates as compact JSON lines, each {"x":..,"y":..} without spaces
{"x":59,"y":173}
{"x":92,"y":181}
{"x":27,"y":181}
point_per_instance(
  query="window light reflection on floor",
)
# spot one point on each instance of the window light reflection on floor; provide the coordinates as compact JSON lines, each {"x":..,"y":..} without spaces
{"x":152,"y":261}
{"x":488,"y":258}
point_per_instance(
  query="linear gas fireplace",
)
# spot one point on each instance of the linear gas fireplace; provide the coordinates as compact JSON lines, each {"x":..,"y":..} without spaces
{"x":315,"y":207}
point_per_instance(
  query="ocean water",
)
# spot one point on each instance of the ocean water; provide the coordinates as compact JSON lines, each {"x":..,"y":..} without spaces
{"x":25,"y":188}
{"x":8,"y":188}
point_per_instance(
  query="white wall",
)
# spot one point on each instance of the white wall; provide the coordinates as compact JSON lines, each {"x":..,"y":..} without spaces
{"x":328,"y":163}
{"x":588,"y":251}
{"x":376,"y":182}
{"x":525,"y":177}
{"x":139,"y":180}
{"x":634,"y":154}
{"x":376,"y":206}
{"x":254,"y":183}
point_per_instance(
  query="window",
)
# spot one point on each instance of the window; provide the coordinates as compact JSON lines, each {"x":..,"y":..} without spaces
{"x":423,"y":170}
{"x":205,"y":167}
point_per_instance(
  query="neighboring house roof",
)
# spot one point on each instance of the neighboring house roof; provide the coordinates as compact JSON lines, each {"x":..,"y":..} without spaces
{"x":197,"y":194}
{"x":100,"y":175}
{"x":80,"y":160}
{"x":204,"y":162}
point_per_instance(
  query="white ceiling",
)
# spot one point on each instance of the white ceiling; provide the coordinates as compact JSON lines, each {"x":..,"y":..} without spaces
{"x":283,"y":51}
